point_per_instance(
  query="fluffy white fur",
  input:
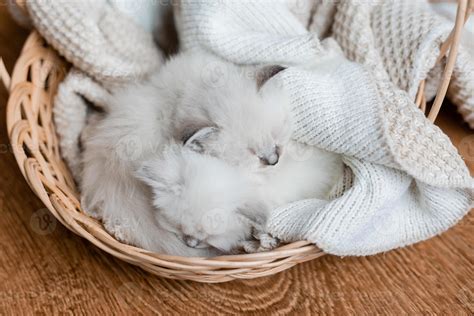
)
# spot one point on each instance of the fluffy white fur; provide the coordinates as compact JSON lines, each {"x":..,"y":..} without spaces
{"x":111,"y":192}
{"x":195,"y":91}
{"x":211,"y":203}
{"x":224,"y":120}
{"x":303,"y":172}
{"x":204,"y":200}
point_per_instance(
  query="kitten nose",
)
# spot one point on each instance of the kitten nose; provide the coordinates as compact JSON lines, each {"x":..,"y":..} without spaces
{"x":191,"y":241}
{"x":271,"y":159}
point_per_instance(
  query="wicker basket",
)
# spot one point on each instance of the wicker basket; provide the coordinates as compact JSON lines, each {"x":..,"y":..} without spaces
{"x":34,"y":82}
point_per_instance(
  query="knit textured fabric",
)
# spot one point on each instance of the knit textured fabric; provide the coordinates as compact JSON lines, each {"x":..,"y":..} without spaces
{"x":322,"y":19}
{"x":70,"y":114}
{"x":461,"y":90}
{"x":405,"y":181}
{"x":90,"y":35}
{"x":404,"y":38}
{"x":218,"y":27}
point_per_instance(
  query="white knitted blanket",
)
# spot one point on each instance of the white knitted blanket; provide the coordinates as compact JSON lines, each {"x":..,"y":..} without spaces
{"x":96,"y":37}
{"x":404,"y":181}
{"x":398,"y":38}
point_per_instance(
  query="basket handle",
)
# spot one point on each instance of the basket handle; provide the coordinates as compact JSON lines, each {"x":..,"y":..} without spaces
{"x":452,"y":45}
{"x":4,"y":76}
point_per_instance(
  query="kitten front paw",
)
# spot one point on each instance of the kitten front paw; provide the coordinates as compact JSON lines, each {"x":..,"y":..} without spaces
{"x":262,"y":242}
{"x":267,"y":242}
{"x":120,"y":232}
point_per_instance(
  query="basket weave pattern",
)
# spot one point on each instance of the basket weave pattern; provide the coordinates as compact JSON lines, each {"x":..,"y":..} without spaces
{"x":35,"y":80}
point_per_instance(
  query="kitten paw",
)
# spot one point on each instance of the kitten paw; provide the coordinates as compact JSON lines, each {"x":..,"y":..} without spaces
{"x":120,"y":232}
{"x":263,"y":242}
{"x":268,"y":242}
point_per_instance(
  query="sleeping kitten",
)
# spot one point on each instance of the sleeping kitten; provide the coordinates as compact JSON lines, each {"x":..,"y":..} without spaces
{"x":204,"y":200}
{"x":211,"y":203}
{"x":139,"y":121}
{"x":110,"y":191}
{"x":196,"y":91}
{"x":216,"y":110}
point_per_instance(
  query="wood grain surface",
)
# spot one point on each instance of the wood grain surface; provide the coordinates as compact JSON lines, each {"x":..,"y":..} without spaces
{"x":47,"y":270}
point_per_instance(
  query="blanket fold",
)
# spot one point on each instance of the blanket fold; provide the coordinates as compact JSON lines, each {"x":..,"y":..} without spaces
{"x":382,"y":209}
{"x":372,"y":120}
{"x":260,"y":40}
{"x":74,"y":95}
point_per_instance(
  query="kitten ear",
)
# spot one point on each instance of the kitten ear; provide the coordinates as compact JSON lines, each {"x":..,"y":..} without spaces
{"x":256,"y":213}
{"x":147,"y":174}
{"x":266,"y":73}
{"x":161,"y":182}
{"x":196,"y":142}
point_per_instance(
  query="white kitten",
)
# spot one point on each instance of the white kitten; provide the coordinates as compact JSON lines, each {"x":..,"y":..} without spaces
{"x":252,"y":130}
{"x":211,"y":203}
{"x":140,"y":120}
{"x":113,"y":147}
{"x":204,"y":200}
{"x":197,"y":90}
{"x":303,"y":172}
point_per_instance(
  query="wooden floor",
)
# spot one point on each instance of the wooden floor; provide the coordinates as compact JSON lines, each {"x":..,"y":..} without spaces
{"x":59,"y":272}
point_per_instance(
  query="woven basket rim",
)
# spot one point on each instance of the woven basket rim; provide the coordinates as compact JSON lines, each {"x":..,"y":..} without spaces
{"x":34,"y":82}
